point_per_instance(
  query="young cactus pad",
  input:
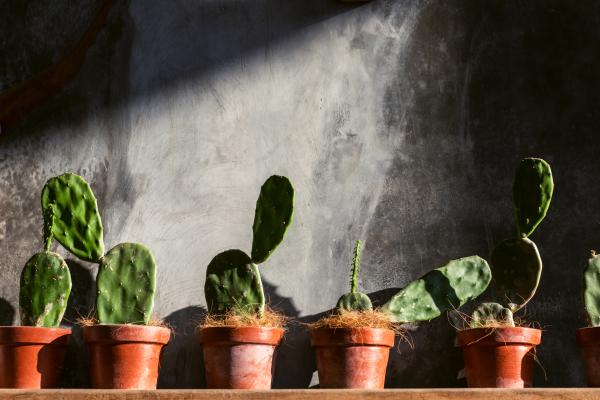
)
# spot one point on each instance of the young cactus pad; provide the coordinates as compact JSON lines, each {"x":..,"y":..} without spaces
{"x":591,"y":289}
{"x":75,"y":221}
{"x":532,"y":192}
{"x":45,"y":289}
{"x":354,"y":301}
{"x":491,"y":314}
{"x":273,"y":216}
{"x":126,"y":283}
{"x":517,"y":267}
{"x":233,"y":283}
{"x":444,"y":288}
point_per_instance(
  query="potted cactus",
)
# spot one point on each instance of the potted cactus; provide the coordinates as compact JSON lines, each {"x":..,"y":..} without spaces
{"x":496,"y":352}
{"x":124,"y":349}
{"x":239,"y":335}
{"x":352,"y":345}
{"x":588,"y":338}
{"x":31,"y":355}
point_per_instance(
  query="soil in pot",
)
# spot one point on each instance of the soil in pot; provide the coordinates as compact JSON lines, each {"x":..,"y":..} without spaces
{"x":353,"y":358}
{"x":588,"y":340}
{"x":125,"y":356}
{"x":501,"y":357}
{"x":32,"y":357}
{"x":239,"y":357}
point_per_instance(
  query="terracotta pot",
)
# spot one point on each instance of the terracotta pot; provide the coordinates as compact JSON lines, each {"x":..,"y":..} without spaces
{"x":239,"y":358}
{"x":353,"y":358}
{"x":499,"y":357}
{"x":125,"y":356}
{"x":31,"y":357}
{"x":588,"y":340}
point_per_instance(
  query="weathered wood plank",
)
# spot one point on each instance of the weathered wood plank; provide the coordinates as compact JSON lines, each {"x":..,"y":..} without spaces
{"x":309,"y":394}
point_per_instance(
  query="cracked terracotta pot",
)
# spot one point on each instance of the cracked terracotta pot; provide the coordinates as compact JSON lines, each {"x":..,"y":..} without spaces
{"x":125,"y":356}
{"x":353,"y":358}
{"x":32,"y":357}
{"x":499,"y":357}
{"x":240,"y":357}
{"x":588,"y":340}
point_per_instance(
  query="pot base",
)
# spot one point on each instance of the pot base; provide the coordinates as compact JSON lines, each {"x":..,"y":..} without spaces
{"x":588,"y":340}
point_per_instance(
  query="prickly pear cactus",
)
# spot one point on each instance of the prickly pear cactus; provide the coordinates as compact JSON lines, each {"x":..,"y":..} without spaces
{"x":45,"y":289}
{"x":591,"y":289}
{"x":233,"y":283}
{"x":491,"y":314}
{"x":126,"y":283}
{"x":273,"y":216}
{"x":75,"y":221}
{"x":532,"y":192}
{"x":354,"y":301}
{"x":447,"y":287}
{"x":517,"y":268}
{"x":48,"y":224}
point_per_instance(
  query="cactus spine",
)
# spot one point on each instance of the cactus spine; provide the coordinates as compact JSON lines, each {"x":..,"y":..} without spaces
{"x":516,"y":262}
{"x":444,"y":288}
{"x":126,"y":280}
{"x":233,"y":282}
{"x":591,"y":289}
{"x":354,"y":301}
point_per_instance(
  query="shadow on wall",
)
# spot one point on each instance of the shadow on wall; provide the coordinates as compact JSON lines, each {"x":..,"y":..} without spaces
{"x":7,"y":313}
{"x":80,"y":305}
{"x":194,"y":39}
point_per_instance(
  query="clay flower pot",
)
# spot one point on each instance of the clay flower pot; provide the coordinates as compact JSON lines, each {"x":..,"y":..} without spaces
{"x":353,"y":358}
{"x":32,"y":357}
{"x":499,"y":357}
{"x":239,"y":358}
{"x":125,"y":356}
{"x":588,"y":340}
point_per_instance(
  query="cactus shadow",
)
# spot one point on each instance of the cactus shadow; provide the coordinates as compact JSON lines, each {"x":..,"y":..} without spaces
{"x":182,"y":363}
{"x":7,"y":313}
{"x":80,"y":304}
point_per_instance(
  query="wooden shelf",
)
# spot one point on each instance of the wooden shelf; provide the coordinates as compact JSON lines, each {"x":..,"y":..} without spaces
{"x":308,"y":394}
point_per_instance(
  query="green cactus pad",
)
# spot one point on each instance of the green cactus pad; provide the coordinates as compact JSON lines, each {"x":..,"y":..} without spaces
{"x":354,"y":302}
{"x":517,"y":267}
{"x":76,"y":222}
{"x":45,"y":289}
{"x":273,"y":216}
{"x":491,"y":315}
{"x":532,"y":193}
{"x":126,"y":285}
{"x":591,"y":290}
{"x":233,"y":283}
{"x":444,"y":288}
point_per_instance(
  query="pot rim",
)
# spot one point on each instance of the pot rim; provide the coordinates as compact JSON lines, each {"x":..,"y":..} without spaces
{"x":346,"y":337}
{"x":588,"y":336}
{"x":10,"y":335}
{"x":233,"y":335}
{"x":126,"y":333}
{"x":504,"y":336}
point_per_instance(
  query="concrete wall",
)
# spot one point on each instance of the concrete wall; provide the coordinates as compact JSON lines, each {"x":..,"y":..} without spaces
{"x":399,"y":122}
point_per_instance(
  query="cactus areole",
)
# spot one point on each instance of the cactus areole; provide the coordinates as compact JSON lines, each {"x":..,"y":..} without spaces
{"x":233,"y":282}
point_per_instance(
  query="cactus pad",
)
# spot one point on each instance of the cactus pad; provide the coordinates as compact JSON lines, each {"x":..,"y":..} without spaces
{"x":76,"y":222}
{"x":490,"y":315}
{"x":447,"y":287}
{"x":233,"y":283}
{"x":532,"y":192}
{"x":273,"y":216}
{"x":45,"y":289}
{"x":354,"y":302}
{"x":517,"y":267}
{"x":126,"y":284}
{"x":591,"y":290}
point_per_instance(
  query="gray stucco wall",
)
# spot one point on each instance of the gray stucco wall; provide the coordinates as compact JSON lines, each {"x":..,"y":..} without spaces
{"x":399,"y":122}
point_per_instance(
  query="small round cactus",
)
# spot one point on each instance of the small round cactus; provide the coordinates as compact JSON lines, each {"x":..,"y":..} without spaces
{"x":354,"y":301}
